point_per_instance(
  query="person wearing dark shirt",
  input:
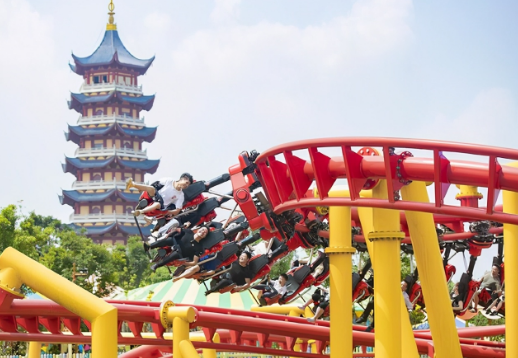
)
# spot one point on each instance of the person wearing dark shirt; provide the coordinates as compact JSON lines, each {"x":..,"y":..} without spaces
{"x":185,"y":244}
{"x":239,"y":274}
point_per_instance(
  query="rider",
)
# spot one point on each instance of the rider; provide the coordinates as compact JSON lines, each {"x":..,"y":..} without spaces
{"x":239,"y":273}
{"x":273,"y":288}
{"x":185,"y":244}
{"x":408,"y":304}
{"x":324,"y":303}
{"x":491,"y":282}
{"x":167,"y":193}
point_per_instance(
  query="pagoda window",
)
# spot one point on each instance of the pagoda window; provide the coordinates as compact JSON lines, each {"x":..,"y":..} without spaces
{"x":105,"y":79}
{"x":95,"y":210}
{"x":97,"y":177}
{"x":127,"y":145}
{"x":99,"y":112}
{"x":96,"y":79}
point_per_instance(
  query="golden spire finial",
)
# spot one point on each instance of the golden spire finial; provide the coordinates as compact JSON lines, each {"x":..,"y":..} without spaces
{"x":110,"y":25}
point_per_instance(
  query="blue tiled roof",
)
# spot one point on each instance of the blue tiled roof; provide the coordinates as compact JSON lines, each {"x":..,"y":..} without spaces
{"x":70,"y":197}
{"x":71,"y":165}
{"x":104,"y":229}
{"x":77,"y":100}
{"x":109,"y":51}
{"x":76,"y":132}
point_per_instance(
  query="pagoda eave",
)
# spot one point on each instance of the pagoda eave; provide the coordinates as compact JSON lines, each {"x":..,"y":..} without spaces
{"x":75,"y":133}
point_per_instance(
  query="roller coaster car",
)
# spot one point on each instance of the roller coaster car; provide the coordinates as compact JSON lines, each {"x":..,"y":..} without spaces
{"x":467,"y":288}
{"x":228,"y":254}
{"x":361,"y":289}
{"x":414,"y":291}
{"x":211,"y":243}
{"x":260,"y":264}
{"x":485,"y":297}
{"x":300,"y":278}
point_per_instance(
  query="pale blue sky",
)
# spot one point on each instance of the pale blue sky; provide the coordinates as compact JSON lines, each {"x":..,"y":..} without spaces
{"x":235,"y":75}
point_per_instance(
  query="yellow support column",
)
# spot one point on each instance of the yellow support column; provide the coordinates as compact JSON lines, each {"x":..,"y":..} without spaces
{"x":34,"y":350}
{"x":431,"y":274}
{"x":387,"y":290}
{"x":409,"y":347}
{"x":340,"y":272}
{"x":511,"y":273}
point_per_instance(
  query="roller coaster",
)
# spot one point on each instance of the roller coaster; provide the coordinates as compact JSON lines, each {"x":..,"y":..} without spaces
{"x":343,"y":195}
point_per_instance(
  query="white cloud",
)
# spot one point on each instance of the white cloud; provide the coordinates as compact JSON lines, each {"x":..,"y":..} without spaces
{"x":225,"y":11}
{"x":157,"y":21}
{"x":491,"y":118}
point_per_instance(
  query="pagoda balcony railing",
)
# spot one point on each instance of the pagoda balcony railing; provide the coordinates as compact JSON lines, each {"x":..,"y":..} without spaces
{"x":99,"y":218}
{"x":113,"y":86}
{"x":106,"y":152}
{"x":98,"y":184}
{"x":105,"y":119}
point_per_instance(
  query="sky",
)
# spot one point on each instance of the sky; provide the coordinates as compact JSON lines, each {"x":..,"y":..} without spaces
{"x":234,"y":75}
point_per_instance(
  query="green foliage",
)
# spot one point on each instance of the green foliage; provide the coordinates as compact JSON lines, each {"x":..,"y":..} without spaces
{"x":281,"y":266}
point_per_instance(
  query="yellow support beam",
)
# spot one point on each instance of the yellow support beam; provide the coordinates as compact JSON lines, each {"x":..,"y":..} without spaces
{"x":34,"y":350}
{"x":511,"y":273}
{"x":431,"y":274}
{"x":16,"y":268}
{"x":340,"y":251}
{"x":408,"y":345}
{"x":386,"y":240}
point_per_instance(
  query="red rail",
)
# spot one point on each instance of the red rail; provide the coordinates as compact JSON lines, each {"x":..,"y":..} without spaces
{"x":286,"y":177}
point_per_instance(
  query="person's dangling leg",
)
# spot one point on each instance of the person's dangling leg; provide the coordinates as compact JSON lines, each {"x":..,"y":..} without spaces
{"x":173,"y":255}
{"x":151,"y":190}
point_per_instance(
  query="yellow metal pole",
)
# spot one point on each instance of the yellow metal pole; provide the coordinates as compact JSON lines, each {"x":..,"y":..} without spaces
{"x":387,"y":292}
{"x":34,"y":350}
{"x":340,"y":272}
{"x":431,"y":274}
{"x":511,"y":273}
{"x":179,"y":318}
{"x":101,"y":314}
{"x":408,"y":345}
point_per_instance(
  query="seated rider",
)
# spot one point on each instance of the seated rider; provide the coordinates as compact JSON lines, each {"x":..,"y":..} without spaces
{"x":239,"y":274}
{"x":323,"y":303}
{"x":273,"y":288}
{"x":167,"y":193}
{"x":207,"y":268}
{"x":456,"y":298}
{"x":490,"y":282}
{"x":408,"y":304}
{"x":185,"y":244}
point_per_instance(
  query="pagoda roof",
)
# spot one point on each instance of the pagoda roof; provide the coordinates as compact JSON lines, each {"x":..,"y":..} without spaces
{"x":76,"y":132}
{"x":78,"y":100}
{"x":71,"y":165}
{"x":111,"y":51}
{"x":116,"y":226}
{"x":70,"y":197}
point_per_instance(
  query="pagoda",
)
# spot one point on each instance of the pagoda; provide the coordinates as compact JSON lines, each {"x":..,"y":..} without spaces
{"x":109,"y":132}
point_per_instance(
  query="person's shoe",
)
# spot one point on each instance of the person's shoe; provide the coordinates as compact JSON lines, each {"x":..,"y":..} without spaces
{"x":311,"y":319}
{"x":472,"y":310}
{"x":136,"y":213}
{"x":129,"y":184}
{"x":208,"y":292}
{"x":151,"y":239}
{"x":362,"y":319}
{"x":369,"y":328}
{"x":154,"y":267}
{"x":148,"y":220}
{"x":301,"y":308}
{"x":146,"y":247}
